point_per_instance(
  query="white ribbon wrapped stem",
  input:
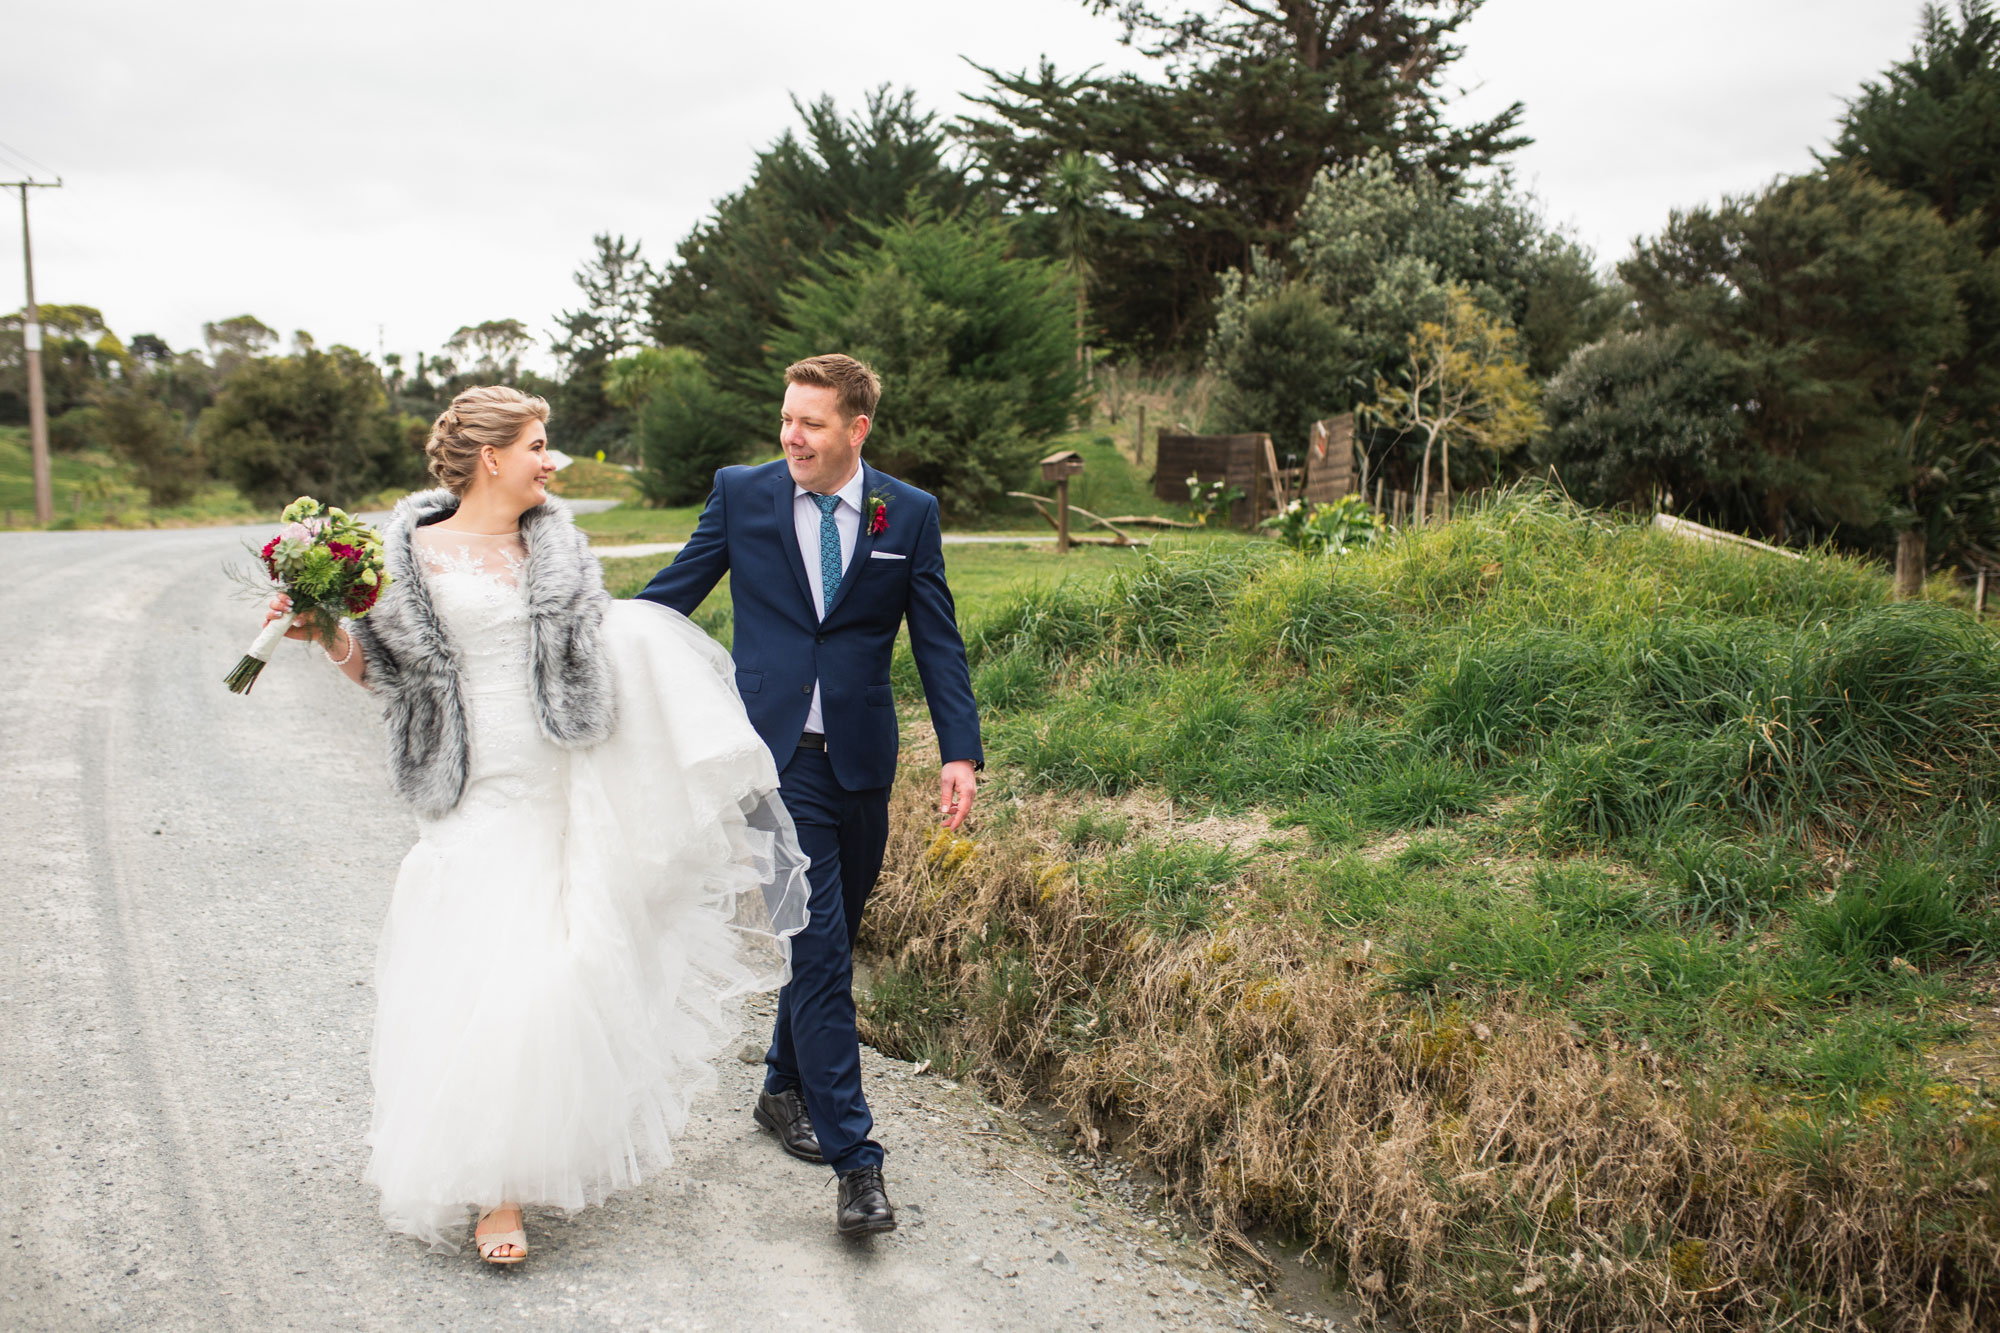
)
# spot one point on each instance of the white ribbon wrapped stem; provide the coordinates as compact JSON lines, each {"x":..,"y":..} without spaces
{"x":267,"y":639}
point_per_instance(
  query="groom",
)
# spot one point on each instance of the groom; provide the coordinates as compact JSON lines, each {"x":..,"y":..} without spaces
{"x":827,"y":558}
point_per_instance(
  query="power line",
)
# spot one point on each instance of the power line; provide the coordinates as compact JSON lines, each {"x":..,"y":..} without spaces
{"x":30,"y":165}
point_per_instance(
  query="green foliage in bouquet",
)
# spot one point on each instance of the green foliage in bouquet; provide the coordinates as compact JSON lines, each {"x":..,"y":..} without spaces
{"x":329,"y":563}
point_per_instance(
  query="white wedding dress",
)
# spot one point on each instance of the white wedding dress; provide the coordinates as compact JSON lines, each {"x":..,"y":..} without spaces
{"x":556,"y":972}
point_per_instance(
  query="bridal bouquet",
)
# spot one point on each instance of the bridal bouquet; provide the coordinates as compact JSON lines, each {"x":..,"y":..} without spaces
{"x":329,"y":563}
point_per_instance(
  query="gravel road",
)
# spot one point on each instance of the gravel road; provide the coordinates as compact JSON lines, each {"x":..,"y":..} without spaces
{"x":185,"y":984}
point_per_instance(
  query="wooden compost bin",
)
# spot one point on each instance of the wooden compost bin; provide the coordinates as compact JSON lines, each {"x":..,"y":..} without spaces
{"x":1236,"y":460}
{"x":1330,"y":471}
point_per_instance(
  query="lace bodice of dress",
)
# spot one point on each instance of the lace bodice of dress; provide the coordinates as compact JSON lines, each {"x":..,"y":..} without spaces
{"x":475,"y":584}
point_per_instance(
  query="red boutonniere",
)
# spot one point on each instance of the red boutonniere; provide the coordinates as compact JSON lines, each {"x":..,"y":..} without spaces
{"x":878,"y":515}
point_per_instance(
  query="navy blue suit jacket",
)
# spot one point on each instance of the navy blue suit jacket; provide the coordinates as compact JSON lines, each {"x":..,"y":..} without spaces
{"x":747,"y":530}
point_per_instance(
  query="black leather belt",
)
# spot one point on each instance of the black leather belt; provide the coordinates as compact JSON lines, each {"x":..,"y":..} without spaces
{"x":812,"y":740}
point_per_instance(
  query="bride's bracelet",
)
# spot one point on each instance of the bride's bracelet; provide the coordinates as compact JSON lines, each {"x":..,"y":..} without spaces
{"x":344,"y":658}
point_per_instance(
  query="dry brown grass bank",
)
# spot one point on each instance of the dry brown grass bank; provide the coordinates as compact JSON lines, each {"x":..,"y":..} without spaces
{"x":1494,"y":1168}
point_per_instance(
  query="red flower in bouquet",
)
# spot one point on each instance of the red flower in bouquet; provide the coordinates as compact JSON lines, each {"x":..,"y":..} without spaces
{"x":329,"y":563}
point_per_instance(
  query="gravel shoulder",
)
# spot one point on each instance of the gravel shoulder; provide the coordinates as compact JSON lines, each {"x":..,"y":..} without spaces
{"x":193,"y":886}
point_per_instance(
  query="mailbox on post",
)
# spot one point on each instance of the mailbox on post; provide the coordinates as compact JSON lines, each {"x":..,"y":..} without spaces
{"x":1059,"y":468}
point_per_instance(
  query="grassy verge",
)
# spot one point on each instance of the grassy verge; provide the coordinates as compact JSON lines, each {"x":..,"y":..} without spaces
{"x":982,"y":575}
{"x":93,"y":490}
{"x":1556,"y":923}
{"x":631,"y":524}
{"x":588,"y":479}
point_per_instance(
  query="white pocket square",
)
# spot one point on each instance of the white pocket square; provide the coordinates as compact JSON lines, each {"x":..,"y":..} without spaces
{"x":886,"y":555}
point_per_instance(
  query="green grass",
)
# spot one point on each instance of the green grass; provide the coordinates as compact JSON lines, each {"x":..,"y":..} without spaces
{"x":588,"y":479}
{"x":1638,"y":751}
{"x":1170,"y":888}
{"x":982,"y":576}
{"x":1554,"y":796}
{"x":1109,"y":486}
{"x":632,"y":524}
{"x":93,"y":490}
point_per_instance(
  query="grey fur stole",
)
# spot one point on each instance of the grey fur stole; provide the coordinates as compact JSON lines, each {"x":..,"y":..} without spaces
{"x":414,"y":667}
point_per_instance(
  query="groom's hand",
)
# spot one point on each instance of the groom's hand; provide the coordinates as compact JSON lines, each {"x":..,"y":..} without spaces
{"x":958,"y":787}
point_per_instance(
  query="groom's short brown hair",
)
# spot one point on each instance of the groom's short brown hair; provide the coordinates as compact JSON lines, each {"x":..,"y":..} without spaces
{"x":858,"y":387}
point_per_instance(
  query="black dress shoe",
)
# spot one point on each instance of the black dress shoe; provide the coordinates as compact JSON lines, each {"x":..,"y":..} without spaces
{"x":864,"y":1203}
{"x":784,"y":1114}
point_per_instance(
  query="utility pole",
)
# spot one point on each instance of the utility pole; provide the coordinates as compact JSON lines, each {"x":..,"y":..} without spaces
{"x":31,"y":339}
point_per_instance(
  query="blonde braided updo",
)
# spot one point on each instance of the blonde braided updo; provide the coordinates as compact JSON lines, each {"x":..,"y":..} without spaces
{"x":491,"y":414}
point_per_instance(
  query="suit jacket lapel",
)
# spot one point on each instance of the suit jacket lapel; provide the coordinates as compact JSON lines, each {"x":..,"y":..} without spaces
{"x":863,"y":544}
{"x":788,"y":537}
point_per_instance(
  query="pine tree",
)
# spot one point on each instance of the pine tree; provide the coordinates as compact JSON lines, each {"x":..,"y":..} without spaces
{"x":1214,"y":156}
{"x":809,"y":198}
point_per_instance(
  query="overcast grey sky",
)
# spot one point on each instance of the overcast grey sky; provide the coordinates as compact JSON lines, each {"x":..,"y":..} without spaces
{"x":381,"y":173}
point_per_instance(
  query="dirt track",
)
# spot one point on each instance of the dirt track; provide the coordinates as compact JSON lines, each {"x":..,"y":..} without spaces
{"x":185,"y":981}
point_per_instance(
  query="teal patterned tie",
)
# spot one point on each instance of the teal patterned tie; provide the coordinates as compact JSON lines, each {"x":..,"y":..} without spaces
{"x":829,"y":551}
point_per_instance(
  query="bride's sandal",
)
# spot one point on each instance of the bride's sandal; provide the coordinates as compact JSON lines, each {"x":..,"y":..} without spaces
{"x":491,"y":1241}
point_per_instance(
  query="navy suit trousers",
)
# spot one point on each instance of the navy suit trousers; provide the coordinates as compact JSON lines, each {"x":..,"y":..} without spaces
{"x":814,"y":1046}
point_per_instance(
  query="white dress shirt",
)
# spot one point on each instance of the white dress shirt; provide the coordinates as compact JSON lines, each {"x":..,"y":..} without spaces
{"x":806,"y":518}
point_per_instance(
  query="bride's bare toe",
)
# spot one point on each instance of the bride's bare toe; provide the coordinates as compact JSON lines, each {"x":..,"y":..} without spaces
{"x":501,"y":1235}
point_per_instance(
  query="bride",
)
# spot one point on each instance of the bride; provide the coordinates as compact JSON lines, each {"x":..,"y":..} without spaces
{"x":602,"y":862}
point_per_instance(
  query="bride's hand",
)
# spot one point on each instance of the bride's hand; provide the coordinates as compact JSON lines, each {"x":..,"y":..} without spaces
{"x":281,"y":605}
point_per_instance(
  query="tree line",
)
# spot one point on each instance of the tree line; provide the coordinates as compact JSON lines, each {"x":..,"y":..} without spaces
{"x":330,"y":422}
{"x":1280,"y":203}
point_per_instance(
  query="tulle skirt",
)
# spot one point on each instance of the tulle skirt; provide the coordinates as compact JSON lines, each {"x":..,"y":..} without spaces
{"x":562,"y":949}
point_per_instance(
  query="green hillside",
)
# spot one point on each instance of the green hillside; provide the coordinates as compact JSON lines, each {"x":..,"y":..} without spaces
{"x":93,"y":490}
{"x":1535,"y":911}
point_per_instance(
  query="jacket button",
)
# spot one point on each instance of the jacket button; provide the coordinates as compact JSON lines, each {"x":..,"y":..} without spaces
{"x":819,"y":638}
{"x":805,"y":689}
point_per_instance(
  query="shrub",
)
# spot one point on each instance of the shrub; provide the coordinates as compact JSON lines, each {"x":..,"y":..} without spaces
{"x":318,"y":423}
{"x":78,"y":429}
{"x":167,"y":461}
{"x":1289,"y":365}
{"x":1640,"y":417}
{"x":1334,"y":527}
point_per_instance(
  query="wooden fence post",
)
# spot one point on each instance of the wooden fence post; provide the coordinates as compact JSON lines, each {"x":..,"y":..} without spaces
{"x":1909,"y":564}
{"x":1979,"y":597}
